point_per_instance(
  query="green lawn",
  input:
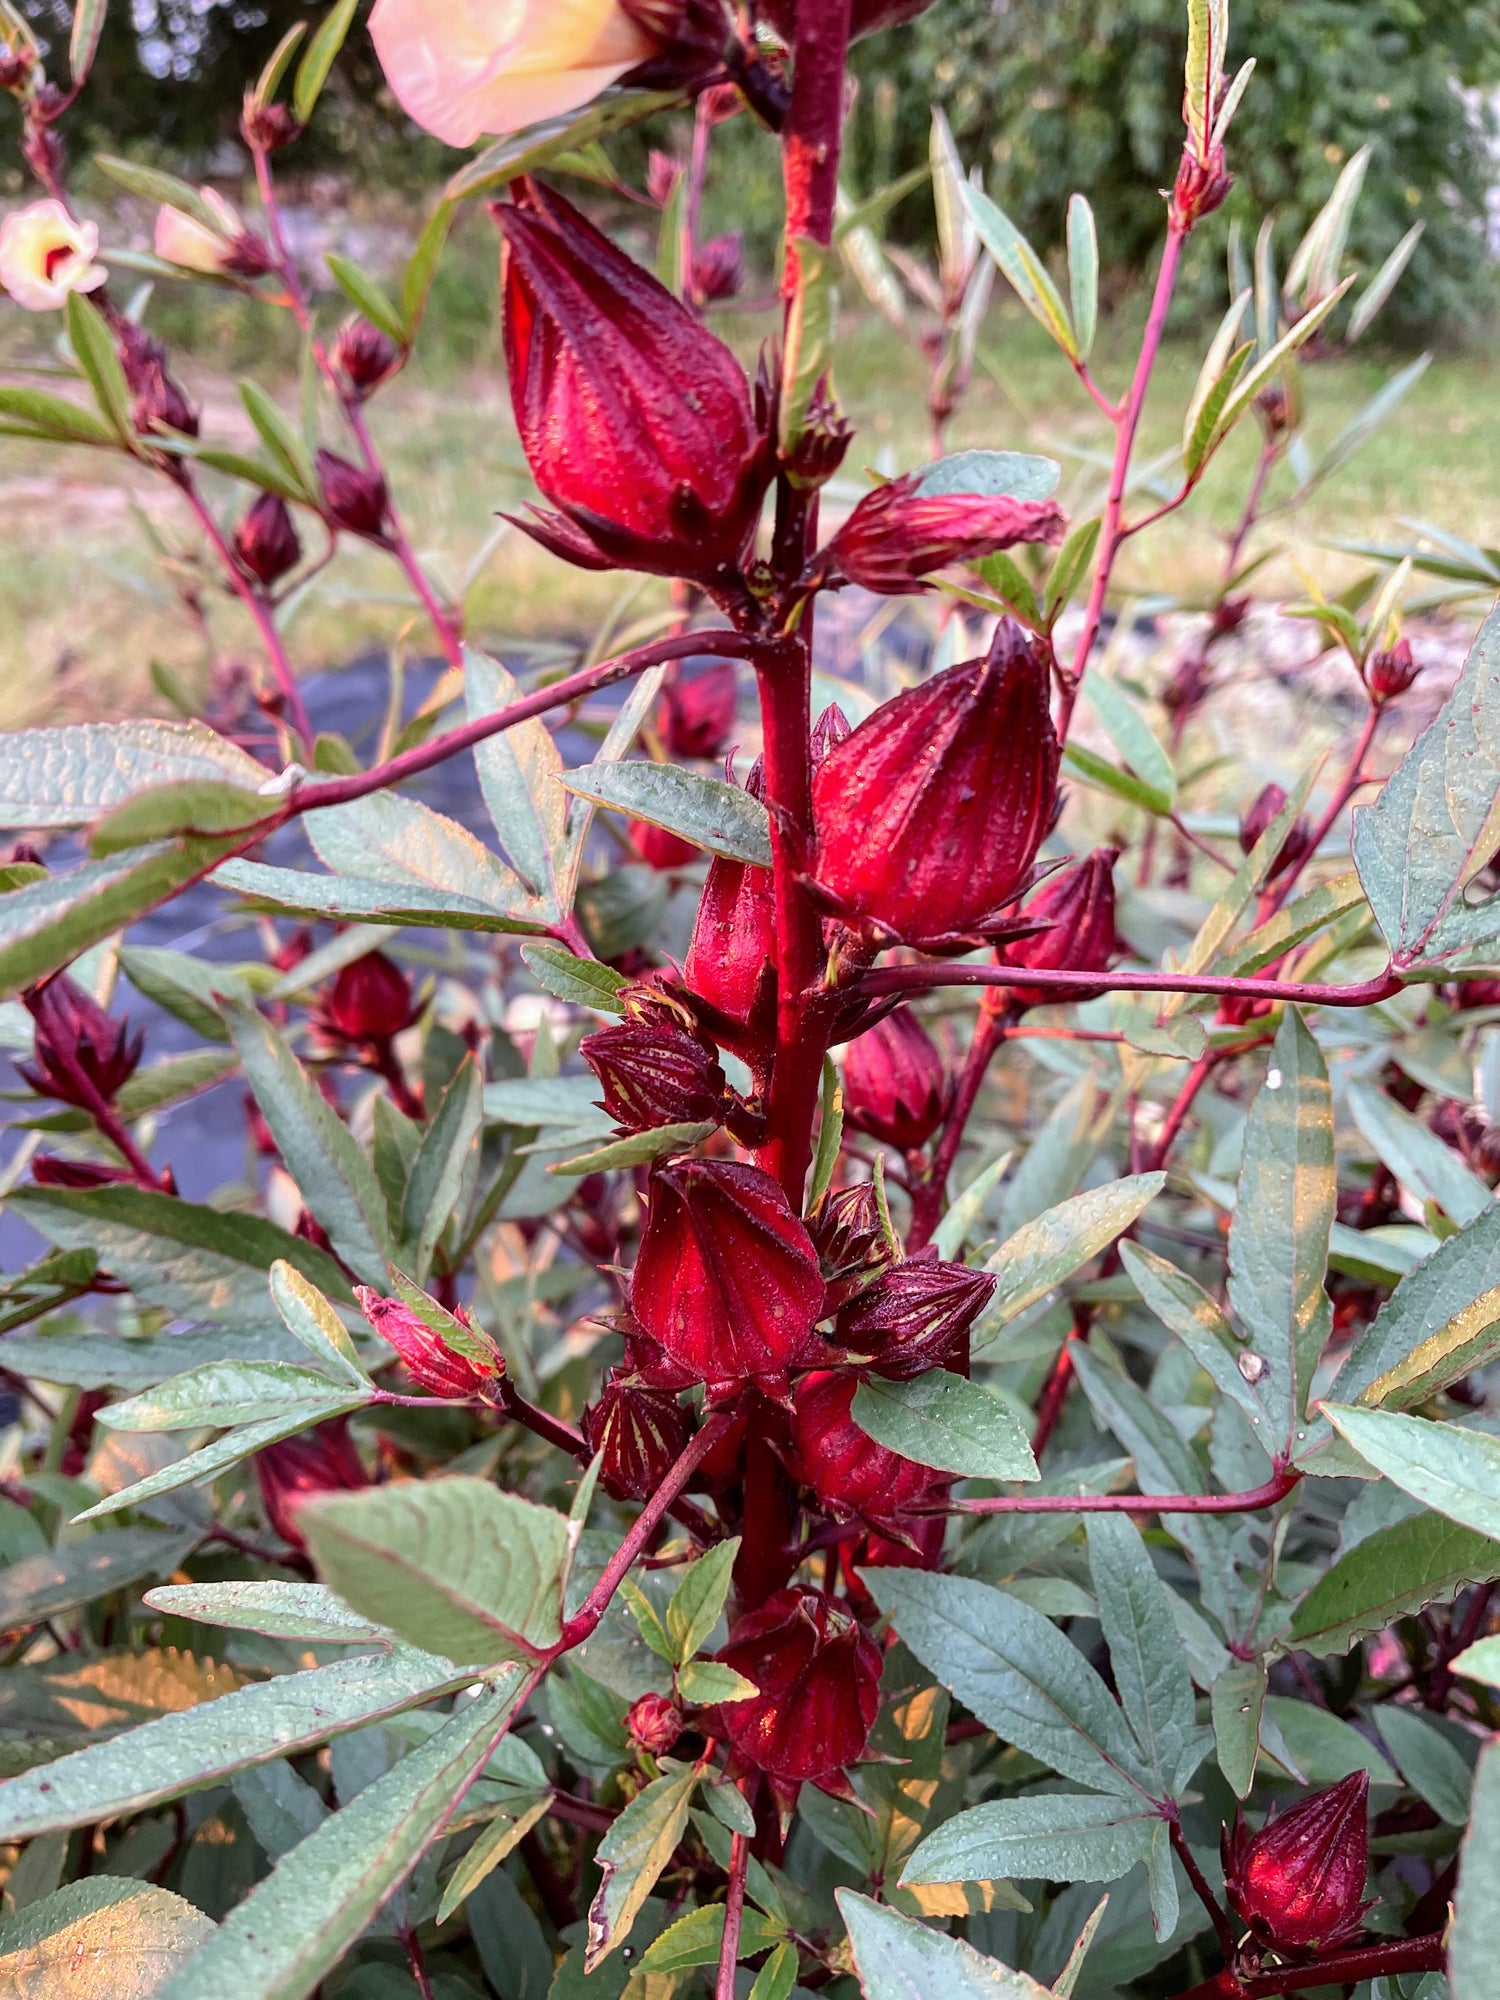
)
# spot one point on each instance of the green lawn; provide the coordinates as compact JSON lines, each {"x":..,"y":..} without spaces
{"x":85,"y":606}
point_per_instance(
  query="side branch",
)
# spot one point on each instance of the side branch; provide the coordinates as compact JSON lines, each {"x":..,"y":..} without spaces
{"x":1274,"y":1490}
{"x":924,"y":978}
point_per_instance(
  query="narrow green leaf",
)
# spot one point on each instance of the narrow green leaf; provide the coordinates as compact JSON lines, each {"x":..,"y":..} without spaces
{"x":37,"y":412}
{"x":226,"y":1393}
{"x":313,"y":1321}
{"x":698,"y":1601}
{"x":636,"y":1151}
{"x":502,"y":1836}
{"x":286,"y":444}
{"x":1024,"y":269}
{"x":1474,"y":1941}
{"x":1437,"y":1772}
{"x":698,"y":1938}
{"x":322,"y":53}
{"x":224,"y":1452}
{"x":1182,"y":1305}
{"x":1237,"y":1700}
{"x":583,"y":982}
{"x":1064,"y":1837}
{"x":271,"y":77}
{"x":830,"y":1136}
{"x":520,"y":774}
{"x":1416,"y":1155}
{"x":1441,"y":1293}
{"x":83,"y":44}
{"x":1146,"y":1655}
{"x":948,"y":1423}
{"x":307,"y":1611}
{"x":810,"y":325}
{"x":1456,"y":1472}
{"x":631,"y":1857}
{"x":94,"y":349}
{"x":899,"y":1959}
{"x":523,"y":152}
{"x":152,"y":185}
{"x":1083,"y":272}
{"x":721,"y":818}
{"x":368,"y":295}
{"x":192,"y":806}
{"x":1128,"y":730}
{"x":1372,"y":299}
{"x":1392,"y":1574}
{"x":416,"y":286}
{"x":1074,"y":561}
{"x":1015,"y":475}
{"x":1045,"y":1252}
{"x":446,"y":1163}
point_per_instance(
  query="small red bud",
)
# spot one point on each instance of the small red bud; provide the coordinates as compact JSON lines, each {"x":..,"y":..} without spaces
{"x":1392,"y":672}
{"x":270,"y":126}
{"x":1078,"y":904}
{"x":369,"y":1001}
{"x":81,"y":1053}
{"x":727,"y":1280}
{"x":655,"y":1073}
{"x":641,"y":1432}
{"x":16,"y":66}
{"x":824,"y":443}
{"x":916,"y":1317}
{"x":48,"y":1170}
{"x":829,"y":731}
{"x":731,"y":960}
{"x":660,"y":849}
{"x":266,"y":541}
{"x":354,"y":500}
{"x":819,"y":1680}
{"x":322,"y":1460}
{"x":1300,"y":1882}
{"x":895,"y":1086}
{"x":850,"y":1473}
{"x":1202,"y":187}
{"x":697,"y":713}
{"x":851,"y":1242}
{"x":444,"y":1352}
{"x":654,"y":1724}
{"x":1268,"y":806}
{"x":160,"y":403}
{"x":365,"y":357}
{"x":663,"y":172}
{"x":898,"y":535}
{"x":719,"y":270}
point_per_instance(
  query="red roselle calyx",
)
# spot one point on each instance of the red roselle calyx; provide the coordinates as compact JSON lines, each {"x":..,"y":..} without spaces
{"x":636,"y":421}
{"x":641,"y":1432}
{"x":660,"y":849}
{"x":697,"y":712}
{"x":851,"y":1242}
{"x":895,"y":1085}
{"x":930,"y":814}
{"x":819,"y":1680}
{"x":353,"y":500}
{"x":266,"y":543}
{"x":731,"y":960}
{"x":442,"y":1351}
{"x":1392,"y":672}
{"x":322,"y":1460}
{"x":1268,"y":806}
{"x":851,"y":1474}
{"x":727,"y":1280}
{"x":369,"y":1002}
{"x":654,"y":1072}
{"x":897,"y":535}
{"x":654,"y":1724}
{"x":1078,"y":905}
{"x":78,"y":1045}
{"x":719,"y":270}
{"x":916,"y":1317}
{"x":1300,"y":1882}
{"x":365,"y":357}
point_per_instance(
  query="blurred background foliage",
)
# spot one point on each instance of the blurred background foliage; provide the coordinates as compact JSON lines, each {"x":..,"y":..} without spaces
{"x":1049,"y":95}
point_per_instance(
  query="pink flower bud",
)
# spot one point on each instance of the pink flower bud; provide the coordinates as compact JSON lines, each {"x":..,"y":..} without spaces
{"x":354,"y":500}
{"x":916,"y":1317}
{"x":81,"y":1053}
{"x":727,"y":1279}
{"x":930,"y":814}
{"x":697,"y":712}
{"x":654,"y":1073}
{"x":369,"y":1001}
{"x":365,"y":357}
{"x":1078,"y":904}
{"x":322,"y":1460}
{"x":895,"y":1086}
{"x":897,"y":535}
{"x":444,"y":1352}
{"x":654,"y":1724}
{"x":1300,"y":1882}
{"x":641,"y":1432}
{"x":224,"y":250}
{"x":852,"y":1475}
{"x":266,"y":541}
{"x":663,"y":172}
{"x":635,"y":419}
{"x":819,"y":1681}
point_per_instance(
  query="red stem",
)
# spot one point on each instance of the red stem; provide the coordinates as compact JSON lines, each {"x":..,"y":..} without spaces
{"x":814,"y":127}
{"x":1055,"y":1394}
{"x":928,"y":1197}
{"x":1217,"y":1915}
{"x":734,"y":1917}
{"x":924,"y":978}
{"x":1274,"y":1490}
{"x":1343,"y":1968}
{"x":1352,"y":780}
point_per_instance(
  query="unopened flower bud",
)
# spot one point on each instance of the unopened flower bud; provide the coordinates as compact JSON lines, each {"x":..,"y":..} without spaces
{"x":641,"y":1433}
{"x":727,"y":1280}
{"x":830,"y":729}
{"x":365,"y":357}
{"x":851,"y":1242}
{"x":663,"y":173}
{"x":1300,"y":1882}
{"x":851,"y":1474}
{"x":369,"y":1001}
{"x":1268,"y":807}
{"x":719,"y":270}
{"x":895,"y":1085}
{"x":898,"y":535}
{"x":1078,"y":905}
{"x":654,"y":1724}
{"x":81,"y":1053}
{"x":48,"y":1170}
{"x":660,"y":849}
{"x":697,"y":712}
{"x":819,"y":1679}
{"x":16,"y":66}
{"x":636,"y":421}
{"x":731,"y":960}
{"x":1392,"y":672}
{"x":354,"y":500}
{"x":930,"y":814}
{"x":442,"y":1351}
{"x":916,"y":1317}
{"x":322,"y":1460}
{"x":823,"y":443}
{"x":225,"y":248}
{"x":266,"y":541}
{"x":271,"y":127}
{"x":1202,"y":187}
{"x":656,"y":1073}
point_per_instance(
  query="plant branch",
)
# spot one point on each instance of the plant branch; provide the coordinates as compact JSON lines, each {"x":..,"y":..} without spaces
{"x":927,"y":1198}
{"x":1216,"y":1912}
{"x":1274,"y":1490}
{"x":924,"y":978}
{"x":734,"y":1917}
{"x":1342,"y":1968}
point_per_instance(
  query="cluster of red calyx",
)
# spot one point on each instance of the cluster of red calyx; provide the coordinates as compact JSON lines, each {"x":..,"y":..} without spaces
{"x":1299,"y":1884}
{"x":82,"y":1056}
{"x":1074,"y":911}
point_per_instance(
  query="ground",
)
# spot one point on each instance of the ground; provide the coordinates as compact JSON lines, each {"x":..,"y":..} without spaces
{"x":85,"y":609}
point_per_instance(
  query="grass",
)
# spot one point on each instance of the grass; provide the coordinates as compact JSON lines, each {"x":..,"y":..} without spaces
{"x":87,"y":604}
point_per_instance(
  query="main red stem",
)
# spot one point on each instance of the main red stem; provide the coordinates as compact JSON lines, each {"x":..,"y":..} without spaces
{"x":1344,"y":1968}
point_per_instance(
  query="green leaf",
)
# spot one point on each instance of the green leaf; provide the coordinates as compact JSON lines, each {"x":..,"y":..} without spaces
{"x":337,"y":1182}
{"x":368,"y":295}
{"x":393,"y":839}
{"x":416,"y":285}
{"x":299,"y":1923}
{"x":637,"y":1150}
{"x":1247,"y":387}
{"x":1474,"y":1940}
{"x":502,"y":1836}
{"x":1074,"y":560}
{"x":255,"y":471}
{"x":1481,"y":1662}
{"x":964,"y":1214}
{"x":1392,"y":1574}
{"x":94,"y":349}
{"x":37,"y":413}
{"x":456,"y":1565}
{"x":1182,"y":1305}
{"x":102,"y":1939}
{"x":1416,"y":1155}
{"x":698,"y":1938}
{"x":582,"y":982}
{"x":706,"y":1684}
{"x":1045,"y":1252}
{"x":811,"y":322}
{"x":1237,"y":1701}
{"x":721,"y":818}
{"x":322,"y":53}
{"x":1016,"y":475}
{"x":830,"y":1136}
{"x":1017,"y":1672}
{"x":307,"y":1611}
{"x":203,"y":1746}
{"x":312,"y":1320}
{"x":1083,"y":272}
{"x":1024,"y":269}
{"x":1455,"y":1472}
{"x":191,"y":806}
{"x":523,"y":152}
{"x":899,"y":1959}
{"x":698,"y":1601}
{"x":1300,"y":920}
{"x":360,"y":900}
{"x":281,"y":438}
{"x":1104,"y":776}
{"x":272,"y":76}
{"x":1437,"y":822}
{"x":519,"y":774}
{"x":1278,"y":1240}
{"x":49,"y":1583}
{"x":1125,"y":726}
{"x":446,"y":1164}
{"x":1370,"y":301}
{"x":226,"y":1393}
{"x":777,"y":1978}
{"x":187,"y":987}
{"x":190,"y":1261}
{"x":159,"y":188}
{"x":946,"y":1422}
{"x":631,"y":1857}
{"x":1063,"y":1837}
{"x":1430,"y":1764}
{"x":225,"y":1452}
{"x":1146,"y":1654}
{"x":1208,"y":37}
{"x":83,"y":46}
{"x":1431,"y":1314}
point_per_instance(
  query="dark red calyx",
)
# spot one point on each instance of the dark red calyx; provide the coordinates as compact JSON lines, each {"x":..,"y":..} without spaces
{"x":895,"y":1084}
{"x":916,"y":1317}
{"x":81,"y":1052}
{"x":1076,"y":906}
